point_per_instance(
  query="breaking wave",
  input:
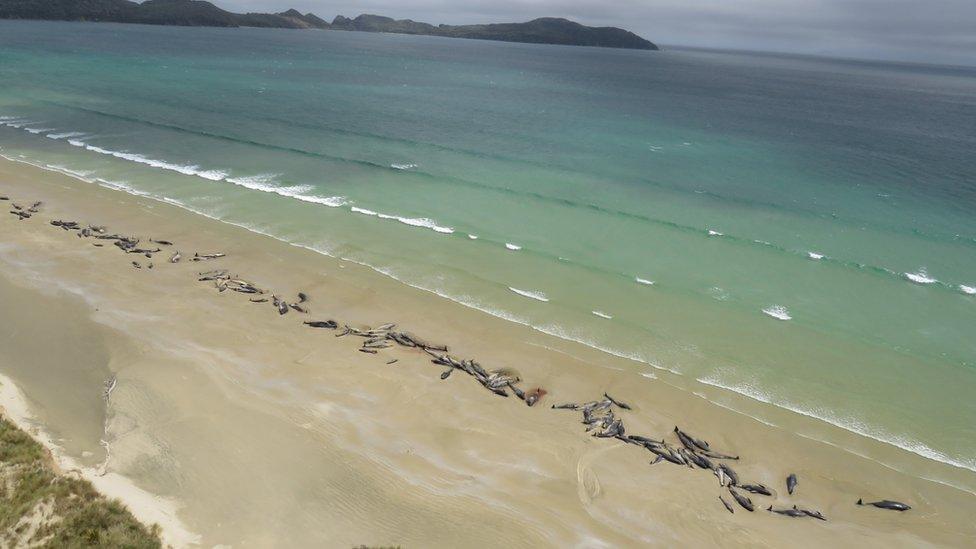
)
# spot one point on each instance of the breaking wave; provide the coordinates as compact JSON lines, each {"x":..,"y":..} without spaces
{"x":538,"y":296}
{"x":422,"y":222}
{"x":265,"y":183}
{"x":778,"y":312}
{"x":185,"y":169}
{"x":920,"y":277}
{"x":64,"y":135}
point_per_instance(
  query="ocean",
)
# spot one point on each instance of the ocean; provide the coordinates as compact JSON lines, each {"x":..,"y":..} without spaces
{"x":797,"y":230}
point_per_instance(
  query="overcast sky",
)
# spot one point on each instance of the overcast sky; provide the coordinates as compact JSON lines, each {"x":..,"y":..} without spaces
{"x":942,"y":31}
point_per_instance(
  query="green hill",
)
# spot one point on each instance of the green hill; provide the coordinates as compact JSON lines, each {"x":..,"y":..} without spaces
{"x":547,"y":30}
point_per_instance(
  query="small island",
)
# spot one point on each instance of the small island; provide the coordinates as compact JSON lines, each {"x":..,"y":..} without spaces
{"x":198,"y":13}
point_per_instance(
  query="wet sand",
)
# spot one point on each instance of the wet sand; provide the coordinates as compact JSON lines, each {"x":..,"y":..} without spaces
{"x":263,"y":432}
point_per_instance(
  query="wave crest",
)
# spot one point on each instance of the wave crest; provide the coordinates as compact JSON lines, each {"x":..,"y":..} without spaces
{"x":265,"y":183}
{"x":778,"y":312}
{"x":538,"y":296}
{"x":920,"y":277}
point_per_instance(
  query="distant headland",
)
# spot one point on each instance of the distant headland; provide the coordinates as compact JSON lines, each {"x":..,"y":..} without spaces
{"x":198,"y":13}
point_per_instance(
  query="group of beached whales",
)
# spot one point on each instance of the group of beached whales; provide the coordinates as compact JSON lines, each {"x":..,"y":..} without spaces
{"x":598,"y":416}
{"x":22,"y":212}
{"x":695,"y":453}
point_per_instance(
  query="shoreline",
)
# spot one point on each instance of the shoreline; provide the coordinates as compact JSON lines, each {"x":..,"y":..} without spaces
{"x":361,"y":298}
{"x":149,"y":509}
{"x":850,"y":425}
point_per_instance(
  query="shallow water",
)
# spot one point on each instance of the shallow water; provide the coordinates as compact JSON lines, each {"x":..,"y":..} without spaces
{"x":65,"y":381}
{"x":807,"y":223}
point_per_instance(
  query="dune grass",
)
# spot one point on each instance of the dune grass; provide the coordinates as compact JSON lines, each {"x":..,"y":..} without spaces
{"x":40,"y":508}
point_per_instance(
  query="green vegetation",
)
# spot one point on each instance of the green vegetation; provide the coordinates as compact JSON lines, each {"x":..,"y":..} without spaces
{"x":40,"y":508}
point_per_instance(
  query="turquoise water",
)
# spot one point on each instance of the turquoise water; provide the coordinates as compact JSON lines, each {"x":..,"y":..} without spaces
{"x":797,"y":230}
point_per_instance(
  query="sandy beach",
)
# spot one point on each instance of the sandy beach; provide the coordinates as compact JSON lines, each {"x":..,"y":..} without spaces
{"x":233,"y":425}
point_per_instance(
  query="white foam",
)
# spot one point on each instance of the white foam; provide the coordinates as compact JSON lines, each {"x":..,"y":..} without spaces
{"x":513,"y":247}
{"x":211,"y":175}
{"x":601,"y":314}
{"x":64,"y":135}
{"x":648,"y":375}
{"x":714,"y":233}
{"x":84,"y":175}
{"x":473,"y":236}
{"x":403,"y":166}
{"x":36,"y":131}
{"x":921,"y":277}
{"x":330,"y":201}
{"x":778,"y":312}
{"x":852,"y":425}
{"x":538,"y":296}
{"x":126,"y":188}
{"x":815,"y":255}
{"x":265,"y":183}
{"x":643,"y":281}
{"x":971,"y":290}
{"x":423,"y":222}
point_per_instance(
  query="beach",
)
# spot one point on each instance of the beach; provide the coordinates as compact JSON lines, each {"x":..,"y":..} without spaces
{"x":748,"y":236}
{"x":295,"y":289}
{"x":255,"y":429}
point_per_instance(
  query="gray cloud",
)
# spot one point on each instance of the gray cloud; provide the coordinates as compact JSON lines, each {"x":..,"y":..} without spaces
{"x":941,"y":31}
